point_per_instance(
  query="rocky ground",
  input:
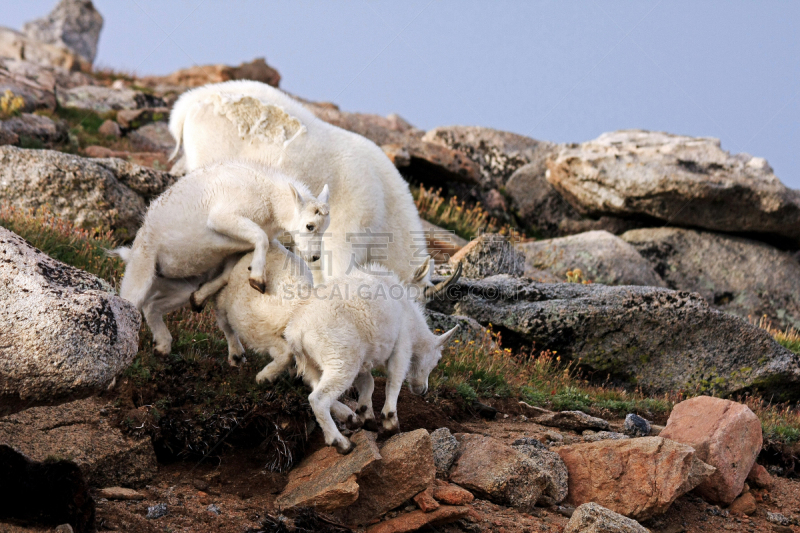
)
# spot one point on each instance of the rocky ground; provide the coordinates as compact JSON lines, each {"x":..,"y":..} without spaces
{"x":641,"y":273}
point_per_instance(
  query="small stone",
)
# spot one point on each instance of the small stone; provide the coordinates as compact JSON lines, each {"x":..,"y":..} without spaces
{"x":416,"y":520}
{"x":64,"y":528}
{"x":594,"y":518}
{"x":425,"y":500}
{"x":452,"y":494}
{"x":744,"y":504}
{"x":110,"y":128}
{"x":156,"y":511}
{"x":554,"y":436}
{"x":592,"y":436}
{"x":778,"y":518}
{"x":200,"y":484}
{"x":445,"y":448}
{"x":550,"y":463}
{"x":759,"y":477}
{"x":119,"y":493}
{"x":213,"y":508}
{"x":574,"y":420}
{"x":636,"y":426}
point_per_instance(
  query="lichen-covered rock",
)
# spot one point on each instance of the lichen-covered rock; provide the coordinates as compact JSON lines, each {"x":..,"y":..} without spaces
{"x":574,"y":420}
{"x":633,"y":173}
{"x":739,"y":276}
{"x":103,"y":99}
{"x":65,"y":333}
{"x":663,"y":340}
{"x":82,"y":431}
{"x":445,"y":449}
{"x":636,"y":426}
{"x":16,"y":45}
{"x":492,"y":470}
{"x":638,"y":478}
{"x":601,"y":257}
{"x":72,"y":24}
{"x":726,"y":435}
{"x":35,"y":127}
{"x":86,"y":191}
{"x":550,"y":463}
{"x":487,"y":255}
{"x":594,"y":518}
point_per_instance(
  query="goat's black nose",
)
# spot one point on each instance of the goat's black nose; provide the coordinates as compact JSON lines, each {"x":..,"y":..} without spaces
{"x":314,"y":258}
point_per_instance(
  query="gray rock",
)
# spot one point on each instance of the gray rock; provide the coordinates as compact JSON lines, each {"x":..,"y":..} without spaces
{"x":778,"y":518}
{"x":65,"y":332}
{"x":636,"y":426}
{"x":106,"y":193}
{"x":48,"y":77}
{"x":739,"y":276}
{"x":73,"y":24}
{"x":213,"y":508}
{"x":36,"y":127}
{"x":550,"y":463}
{"x":539,"y":204}
{"x":82,"y":432}
{"x":468,"y":328}
{"x":487,"y":255}
{"x":153,"y":137}
{"x":157,"y":511}
{"x":601,"y":256}
{"x":498,"y":154}
{"x":685,"y":181}
{"x":110,"y":128}
{"x":445,"y":449}
{"x":594,"y":436}
{"x":104,"y":99}
{"x":594,"y":518}
{"x":16,"y":45}
{"x":574,"y":420}
{"x":8,"y":137}
{"x":663,"y":340}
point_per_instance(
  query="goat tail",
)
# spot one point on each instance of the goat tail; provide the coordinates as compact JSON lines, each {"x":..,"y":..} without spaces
{"x":177,"y":118}
{"x":294,"y":338}
{"x":140,"y":272}
{"x":123,"y":252}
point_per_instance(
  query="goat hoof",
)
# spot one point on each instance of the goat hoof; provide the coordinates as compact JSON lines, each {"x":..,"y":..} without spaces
{"x":387,"y":416}
{"x":353,"y":422}
{"x":361,"y":410}
{"x":160,"y":353}
{"x":260,"y":286}
{"x":346,"y":447}
{"x":371,"y":425}
{"x":384,"y":432}
{"x":196,"y":306}
{"x":236,"y":360}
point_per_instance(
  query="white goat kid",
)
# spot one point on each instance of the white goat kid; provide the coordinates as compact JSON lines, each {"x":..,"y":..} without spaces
{"x":357,"y":323}
{"x":373,"y":217}
{"x":211,"y":214}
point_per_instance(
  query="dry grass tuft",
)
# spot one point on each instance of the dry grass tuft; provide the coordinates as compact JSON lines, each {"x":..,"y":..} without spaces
{"x":467,"y":222}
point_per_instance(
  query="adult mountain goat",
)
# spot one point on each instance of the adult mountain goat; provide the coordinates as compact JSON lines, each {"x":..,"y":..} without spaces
{"x":373,"y":216}
{"x":207,"y":216}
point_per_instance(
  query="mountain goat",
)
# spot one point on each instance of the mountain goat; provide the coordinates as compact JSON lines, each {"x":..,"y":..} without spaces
{"x":373,"y":217}
{"x":347,"y":328}
{"x":210,"y":214}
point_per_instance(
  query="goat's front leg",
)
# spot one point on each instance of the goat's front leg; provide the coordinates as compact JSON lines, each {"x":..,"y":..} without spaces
{"x":281,"y":359}
{"x":396,"y":374}
{"x":235,"y":348}
{"x":365,"y":385}
{"x":199,"y":297}
{"x":243,"y":229}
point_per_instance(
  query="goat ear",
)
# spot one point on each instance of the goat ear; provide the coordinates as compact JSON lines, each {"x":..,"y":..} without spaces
{"x":443,"y":338}
{"x":296,"y":194}
{"x":323,"y":196}
{"x":422,"y":271}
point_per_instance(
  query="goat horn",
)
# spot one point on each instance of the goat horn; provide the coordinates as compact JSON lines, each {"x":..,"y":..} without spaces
{"x":431,"y":292}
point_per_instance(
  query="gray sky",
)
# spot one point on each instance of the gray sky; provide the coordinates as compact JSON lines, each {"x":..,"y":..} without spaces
{"x":560,"y":71}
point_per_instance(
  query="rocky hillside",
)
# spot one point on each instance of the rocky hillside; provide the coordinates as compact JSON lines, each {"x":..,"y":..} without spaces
{"x":628,"y":358}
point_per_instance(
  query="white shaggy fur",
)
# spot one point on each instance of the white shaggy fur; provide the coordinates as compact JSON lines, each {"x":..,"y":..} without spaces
{"x":357,"y":323}
{"x":211,"y":214}
{"x":373,"y":216}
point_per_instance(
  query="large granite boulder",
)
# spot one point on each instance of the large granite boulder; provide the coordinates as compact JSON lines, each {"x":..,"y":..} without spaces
{"x":107,"y":193}
{"x":35,"y":128}
{"x":102,"y":99}
{"x":601,"y":257}
{"x":65,"y":333}
{"x":685,"y":181}
{"x":747,"y":278}
{"x":663,"y":340}
{"x":16,"y":45}
{"x":72,"y":24}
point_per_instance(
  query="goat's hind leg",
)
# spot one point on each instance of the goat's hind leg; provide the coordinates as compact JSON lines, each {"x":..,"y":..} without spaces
{"x":235,"y":348}
{"x":208,"y":289}
{"x":165,"y":295}
{"x":330,"y":387}
{"x":243,"y":229}
{"x":281,"y":355}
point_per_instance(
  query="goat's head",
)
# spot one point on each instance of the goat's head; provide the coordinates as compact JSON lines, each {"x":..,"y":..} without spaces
{"x":312,"y":217}
{"x":425,"y":358}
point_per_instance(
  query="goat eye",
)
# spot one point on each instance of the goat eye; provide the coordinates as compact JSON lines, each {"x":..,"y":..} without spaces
{"x":310,"y":227}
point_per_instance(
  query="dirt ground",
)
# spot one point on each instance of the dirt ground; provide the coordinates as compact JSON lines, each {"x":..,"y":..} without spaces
{"x":233,"y":493}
